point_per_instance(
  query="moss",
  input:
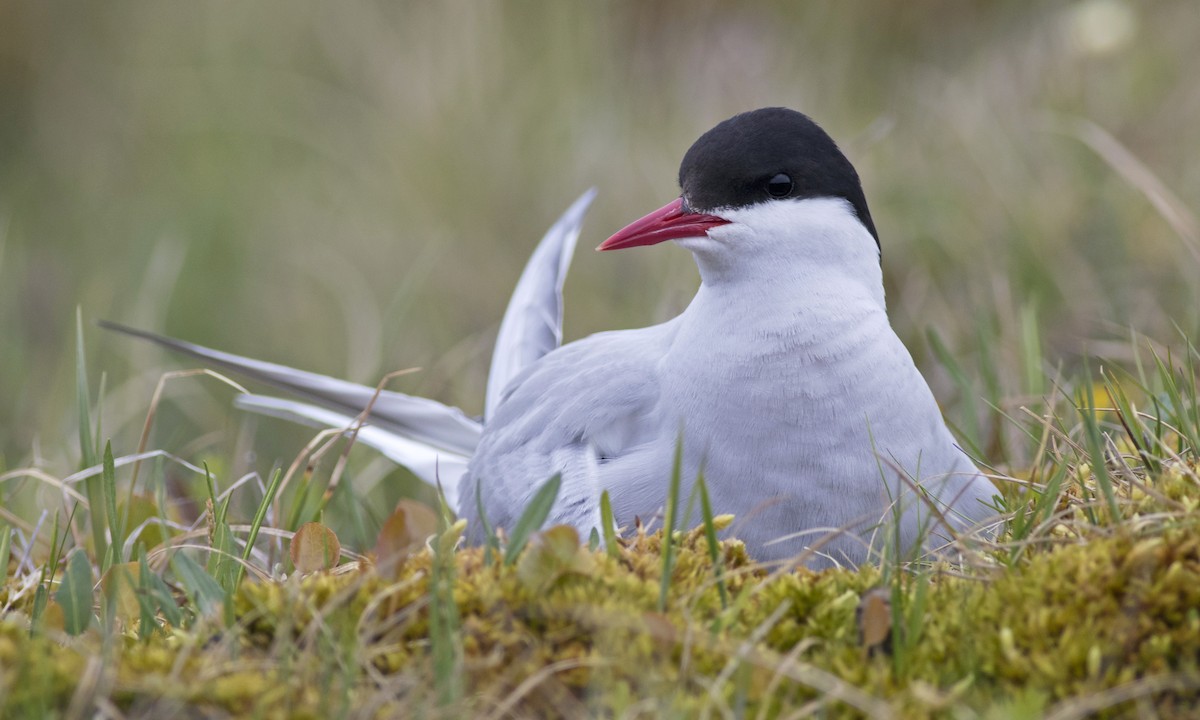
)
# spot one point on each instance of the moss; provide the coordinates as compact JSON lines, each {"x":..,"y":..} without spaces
{"x":1117,"y":606}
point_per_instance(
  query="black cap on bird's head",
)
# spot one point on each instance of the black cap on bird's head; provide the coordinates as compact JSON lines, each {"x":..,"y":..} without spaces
{"x":765,"y":155}
{"x":758,"y":156}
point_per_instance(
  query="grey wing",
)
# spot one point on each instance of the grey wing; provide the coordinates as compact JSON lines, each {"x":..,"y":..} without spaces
{"x":590,"y":410}
{"x":532,"y":324}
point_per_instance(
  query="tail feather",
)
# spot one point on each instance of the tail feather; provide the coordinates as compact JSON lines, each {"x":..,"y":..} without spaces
{"x":421,"y":419}
{"x":433,"y":465}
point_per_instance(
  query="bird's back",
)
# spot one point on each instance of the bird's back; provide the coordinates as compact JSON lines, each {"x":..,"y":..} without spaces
{"x":580,"y":410}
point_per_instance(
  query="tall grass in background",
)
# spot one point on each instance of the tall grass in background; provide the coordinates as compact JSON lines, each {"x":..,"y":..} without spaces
{"x":355,"y":191}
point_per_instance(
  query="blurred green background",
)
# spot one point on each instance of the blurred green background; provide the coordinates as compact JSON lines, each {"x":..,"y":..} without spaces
{"x":353,"y":188}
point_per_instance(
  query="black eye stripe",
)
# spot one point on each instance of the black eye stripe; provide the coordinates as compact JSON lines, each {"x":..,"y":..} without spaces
{"x":780,"y":186}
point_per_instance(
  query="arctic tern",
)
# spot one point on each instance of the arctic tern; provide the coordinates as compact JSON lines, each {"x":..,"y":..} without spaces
{"x":782,"y":379}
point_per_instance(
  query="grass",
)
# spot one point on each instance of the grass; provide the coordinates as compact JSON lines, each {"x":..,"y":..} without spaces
{"x":318,"y":189}
{"x":1086,"y":604}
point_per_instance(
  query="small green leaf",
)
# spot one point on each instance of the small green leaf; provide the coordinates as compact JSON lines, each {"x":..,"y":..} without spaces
{"x":552,"y":555}
{"x":161,"y":595}
{"x":75,"y":593}
{"x":204,"y":591}
{"x":533,"y":517}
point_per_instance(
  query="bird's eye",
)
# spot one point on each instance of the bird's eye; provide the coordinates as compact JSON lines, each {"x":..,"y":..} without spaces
{"x":780,"y":185}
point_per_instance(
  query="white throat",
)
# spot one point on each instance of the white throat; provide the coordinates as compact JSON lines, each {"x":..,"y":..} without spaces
{"x":790,"y":247}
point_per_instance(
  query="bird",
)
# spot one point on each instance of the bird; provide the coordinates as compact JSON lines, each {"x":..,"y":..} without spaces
{"x":782,"y":383}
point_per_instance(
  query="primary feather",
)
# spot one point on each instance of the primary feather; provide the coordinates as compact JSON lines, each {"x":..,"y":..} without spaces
{"x":532,"y":324}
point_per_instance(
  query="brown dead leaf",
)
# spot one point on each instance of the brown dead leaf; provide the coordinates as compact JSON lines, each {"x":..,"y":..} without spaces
{"x":315,"y":547}
{"x":874,"y":618}
{"x":404,"y":533}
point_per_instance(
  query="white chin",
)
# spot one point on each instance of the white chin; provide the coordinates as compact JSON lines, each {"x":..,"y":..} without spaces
{"x":698,"y":243}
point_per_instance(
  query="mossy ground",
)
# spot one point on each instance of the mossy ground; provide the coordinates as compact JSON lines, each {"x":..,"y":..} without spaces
{"x":353,"y":190}
{"x":1090,"y":619}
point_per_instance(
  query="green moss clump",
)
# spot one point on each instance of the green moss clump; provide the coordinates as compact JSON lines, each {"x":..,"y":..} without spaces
{"x":1066,"y":625}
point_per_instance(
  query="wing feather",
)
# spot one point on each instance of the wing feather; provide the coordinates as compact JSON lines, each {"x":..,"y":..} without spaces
{"x":421,"y":419}
{"x":532,"y":324}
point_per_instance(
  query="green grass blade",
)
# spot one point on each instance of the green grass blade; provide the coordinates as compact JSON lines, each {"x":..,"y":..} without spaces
{"x":220,"y":536}
{"x":41,"y":596}
{"x":609,"y":527}
{"x":443,"y":505}
{"x":50,"y":569}
{"x":83,"y":396}
{"x":491,"y":544}
{"x":1048,"y":500}
{"x":1031,"y":351}
{"x":1028,"y":515}
{"x":75,"y":593}
{"x":87,"y":449}
{"x":98,"y":411}
{"x":909,"y":594}
{"x":5,"y":546}
{"x":1176,"y":403}
{"x":350,"y":506}
{"x":532,"y":518}
{"x":445,"y":640}
{"x":1130,"y":422}
{"x":302,"y":509}
{"x":157,"y":592}
{"x":147,"y":610}
{"x":969,"y":431}
{"x":710,"y":535}
{"x":669,"y":520}
{"x":115,"y":524}
{"x":1192,"y":408}
{"x":1095,"y":448}
{"x":260,"y":515}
